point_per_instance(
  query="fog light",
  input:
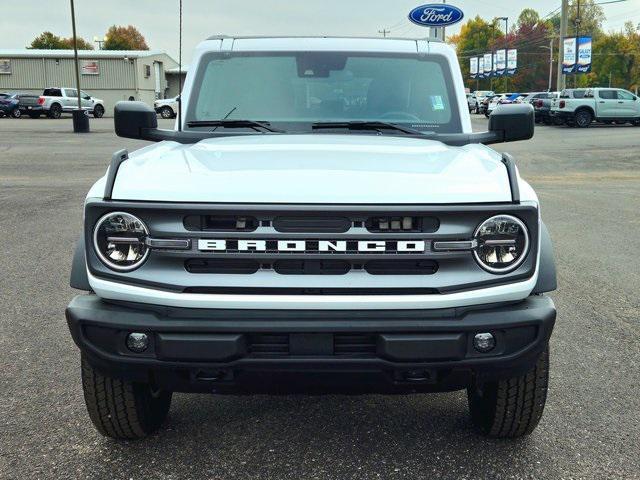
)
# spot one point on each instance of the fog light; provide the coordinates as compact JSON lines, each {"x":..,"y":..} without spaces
{"x":484,"y":342}
{"x":137,"y":342}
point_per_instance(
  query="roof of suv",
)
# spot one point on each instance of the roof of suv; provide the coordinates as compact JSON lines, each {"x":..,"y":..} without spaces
{"x":320,"y":44}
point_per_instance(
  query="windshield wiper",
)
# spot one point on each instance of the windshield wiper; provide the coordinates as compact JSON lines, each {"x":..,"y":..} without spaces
{"x":364,"y":125}
{"x":227,"y":123}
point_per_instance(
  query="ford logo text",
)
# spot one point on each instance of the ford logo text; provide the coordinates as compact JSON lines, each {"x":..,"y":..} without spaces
{"x":436,"y":15}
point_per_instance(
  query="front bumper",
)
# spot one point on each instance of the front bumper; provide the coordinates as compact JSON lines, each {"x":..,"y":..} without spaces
{"x":242,"y":351}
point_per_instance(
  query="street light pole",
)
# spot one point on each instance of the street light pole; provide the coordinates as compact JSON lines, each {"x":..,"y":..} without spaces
{"x":506,"y":50}
{"x":550,"y":47}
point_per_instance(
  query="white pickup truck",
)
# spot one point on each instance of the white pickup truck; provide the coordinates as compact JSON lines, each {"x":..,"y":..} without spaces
{"x":606,"y":105}
{"x":323,"y":218}
{"x":55,"y":101}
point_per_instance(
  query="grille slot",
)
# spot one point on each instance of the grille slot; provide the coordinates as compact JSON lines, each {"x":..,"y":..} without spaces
{"x":358,"y":344}
{"x":401,"y":267}
{"x":312,"y":267}
{"x":402,"y":224}
{"x":220,"y":223}
{"x":268,"y":344}
{"x":222,"y":265}
{"x":311,"y":224}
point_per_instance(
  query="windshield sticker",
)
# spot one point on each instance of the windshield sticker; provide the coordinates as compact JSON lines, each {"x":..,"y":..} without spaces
{"x":437,"y":103}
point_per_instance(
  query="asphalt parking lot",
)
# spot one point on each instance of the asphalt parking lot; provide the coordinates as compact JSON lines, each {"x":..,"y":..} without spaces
{"x":589,"y":184}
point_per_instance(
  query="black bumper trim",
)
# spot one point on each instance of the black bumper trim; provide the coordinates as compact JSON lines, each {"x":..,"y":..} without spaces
{"x":186,"y":343}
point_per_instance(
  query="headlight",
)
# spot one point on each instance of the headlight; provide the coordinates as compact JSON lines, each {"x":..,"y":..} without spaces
{"x":503,"y":243}
{"x":119,"y":240}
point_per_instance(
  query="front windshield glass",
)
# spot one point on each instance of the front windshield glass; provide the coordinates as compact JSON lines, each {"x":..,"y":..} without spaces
{"x":294,"y":90}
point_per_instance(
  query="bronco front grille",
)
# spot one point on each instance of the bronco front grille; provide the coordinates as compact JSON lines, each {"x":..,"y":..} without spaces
{"x":311,"y":249}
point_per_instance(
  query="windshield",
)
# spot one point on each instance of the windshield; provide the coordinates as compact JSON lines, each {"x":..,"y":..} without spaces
{"x":297,"y":89}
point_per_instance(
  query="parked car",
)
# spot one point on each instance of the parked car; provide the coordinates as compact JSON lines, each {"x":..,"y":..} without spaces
{"x":607,"y":105}
{"x":476,"y":99}
{"x":541,"y":102}
{"x":56,"y":100}
{"x":500,"y":99}
{"x":16,"y":104}
{"x":484,"y":104}
{"x":362,"y":241}
{"x":167,"y":108}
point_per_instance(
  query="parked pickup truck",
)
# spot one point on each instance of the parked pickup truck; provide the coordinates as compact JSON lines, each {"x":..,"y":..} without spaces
{"x":331,"y":224}
{"x":607,"y":105}
{"x":15,"y":104}
{"x":55,"y":101}
{"x":167,"y":108}
{"x":541,"y":102}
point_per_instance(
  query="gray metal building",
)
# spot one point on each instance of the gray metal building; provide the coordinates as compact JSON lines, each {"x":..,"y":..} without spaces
{"x":111,"y":75}
{"x":175,"y":79}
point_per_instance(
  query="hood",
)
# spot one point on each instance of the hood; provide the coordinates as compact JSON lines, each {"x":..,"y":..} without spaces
{"x":318,"y":168}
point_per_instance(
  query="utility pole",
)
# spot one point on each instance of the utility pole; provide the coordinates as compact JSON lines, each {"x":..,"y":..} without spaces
{"x":384,"y":32}
{"x":564,"y":18}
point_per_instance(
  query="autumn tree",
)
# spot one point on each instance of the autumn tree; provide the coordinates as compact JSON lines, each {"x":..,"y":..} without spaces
{"x":531,"y":37}
{"x":49,"y":41}
{"x":124,"y":38}
{"x":475,"y":38}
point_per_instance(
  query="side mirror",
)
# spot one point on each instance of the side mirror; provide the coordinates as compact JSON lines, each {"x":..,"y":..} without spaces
{"x":513,"y":122}
{"x":134,"y":119}
{"x":87,"y":97}
{"x":138,"y":120}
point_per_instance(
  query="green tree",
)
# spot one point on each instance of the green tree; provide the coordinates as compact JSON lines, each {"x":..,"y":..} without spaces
{"x":82,"y":43}
{"x":49,"y":41}
{"x":591,"y":18}
{"x":124,"y":38}
{"x":616,"y":59}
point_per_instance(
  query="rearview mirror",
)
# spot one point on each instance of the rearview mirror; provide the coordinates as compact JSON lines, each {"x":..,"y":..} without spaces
{"x":513,"y":122}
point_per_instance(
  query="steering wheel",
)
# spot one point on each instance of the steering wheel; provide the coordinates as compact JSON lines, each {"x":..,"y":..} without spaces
{"x":406,"y":115}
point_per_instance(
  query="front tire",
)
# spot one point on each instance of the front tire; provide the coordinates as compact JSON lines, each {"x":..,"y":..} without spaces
{"x":511,"y":408}
{"x":121,"y":409}
{"x":16,"y":113}
{"x":98,"y":111}
{"x":166,"y":112}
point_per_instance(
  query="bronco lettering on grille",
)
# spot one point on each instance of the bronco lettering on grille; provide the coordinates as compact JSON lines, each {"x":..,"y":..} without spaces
{"x":312,"y":246}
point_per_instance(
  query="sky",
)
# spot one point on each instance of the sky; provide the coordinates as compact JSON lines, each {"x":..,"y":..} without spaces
{"x":158,"y":19}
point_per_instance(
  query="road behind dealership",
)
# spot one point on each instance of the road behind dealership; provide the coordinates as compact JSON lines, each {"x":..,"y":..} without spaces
{"x":589,"y":184}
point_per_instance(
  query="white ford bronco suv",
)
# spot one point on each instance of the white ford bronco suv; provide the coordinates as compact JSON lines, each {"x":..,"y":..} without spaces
{"x":321,"y":219}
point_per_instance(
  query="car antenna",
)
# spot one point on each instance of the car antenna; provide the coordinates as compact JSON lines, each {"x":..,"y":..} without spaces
{"x":180,"y":69}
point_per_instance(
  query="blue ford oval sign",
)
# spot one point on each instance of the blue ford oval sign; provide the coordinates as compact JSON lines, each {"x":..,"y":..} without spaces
{"x":436,"y":15}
